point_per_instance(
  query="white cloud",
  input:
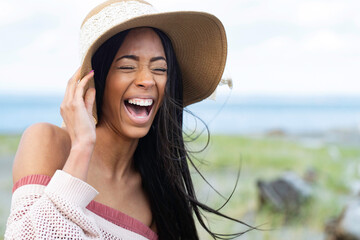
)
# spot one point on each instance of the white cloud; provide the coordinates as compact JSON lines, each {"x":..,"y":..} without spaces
{"x":318,"y":63}
{"x":324,"y":41}
{"x":10,"y":13}
{"x":312,"y":54}
{"x":321,"y":13}
{"x":48,"y":61}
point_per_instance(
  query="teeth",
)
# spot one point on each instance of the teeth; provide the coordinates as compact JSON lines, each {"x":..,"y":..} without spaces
{"x":141,"y":102}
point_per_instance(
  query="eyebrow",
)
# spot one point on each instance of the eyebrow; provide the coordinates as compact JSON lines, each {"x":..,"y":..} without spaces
{"x":136,"y":58}
{"x":157,"y":58}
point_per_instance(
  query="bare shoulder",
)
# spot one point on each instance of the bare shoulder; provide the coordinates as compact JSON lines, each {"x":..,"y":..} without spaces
{"x":43,"y":149}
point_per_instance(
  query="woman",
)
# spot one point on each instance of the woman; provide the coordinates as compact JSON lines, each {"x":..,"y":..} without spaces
{"x":123,"y":137}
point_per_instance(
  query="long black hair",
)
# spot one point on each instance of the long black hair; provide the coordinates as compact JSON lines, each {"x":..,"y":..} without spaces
{"x":161,"y":156}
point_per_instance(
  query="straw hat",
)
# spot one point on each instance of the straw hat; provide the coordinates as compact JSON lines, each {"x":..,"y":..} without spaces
{"x":198,"y":39}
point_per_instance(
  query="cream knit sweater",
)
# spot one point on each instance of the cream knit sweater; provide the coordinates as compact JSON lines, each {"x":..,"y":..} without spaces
{"x":64,"y":210}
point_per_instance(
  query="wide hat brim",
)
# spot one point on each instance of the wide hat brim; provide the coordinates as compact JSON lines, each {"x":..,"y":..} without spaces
{"x":200,"y":45}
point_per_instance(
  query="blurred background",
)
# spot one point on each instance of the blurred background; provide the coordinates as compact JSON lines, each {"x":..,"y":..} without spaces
{"x":290,"y":125}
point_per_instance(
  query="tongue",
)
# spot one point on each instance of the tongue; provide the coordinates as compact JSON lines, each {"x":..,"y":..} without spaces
{"x":137,"y":111}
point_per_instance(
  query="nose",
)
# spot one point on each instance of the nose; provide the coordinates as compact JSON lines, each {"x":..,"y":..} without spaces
{"x":144,"y":79}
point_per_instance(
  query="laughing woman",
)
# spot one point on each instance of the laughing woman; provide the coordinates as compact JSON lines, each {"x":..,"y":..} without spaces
{"x":118,"y":168}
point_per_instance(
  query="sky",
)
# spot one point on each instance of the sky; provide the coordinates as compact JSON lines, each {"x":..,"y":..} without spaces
{"x":275,"y":47}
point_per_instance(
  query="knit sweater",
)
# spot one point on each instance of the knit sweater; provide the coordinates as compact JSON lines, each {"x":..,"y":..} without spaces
{"x":62,"y":207}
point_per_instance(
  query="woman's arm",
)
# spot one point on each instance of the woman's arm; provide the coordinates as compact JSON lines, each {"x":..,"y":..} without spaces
{"x":44,"y":149}
{"x":76,"y":110}
{"x":56,"y":211}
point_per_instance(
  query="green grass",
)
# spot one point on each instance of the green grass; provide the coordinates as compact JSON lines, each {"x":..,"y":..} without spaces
{"x":268,"y":158}
{"x":9,"y":144}
{"x":261,"y":158}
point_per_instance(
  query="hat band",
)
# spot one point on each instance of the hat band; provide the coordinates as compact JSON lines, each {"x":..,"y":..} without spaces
{"x":109,"y":17}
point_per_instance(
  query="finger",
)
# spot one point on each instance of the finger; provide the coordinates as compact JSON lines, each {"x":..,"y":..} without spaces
{"x":76,"y":75}
{"x":90,"y":99}
{"x":86,"y":78}
{"x":71,"y":86}
{"x":80,"y":89}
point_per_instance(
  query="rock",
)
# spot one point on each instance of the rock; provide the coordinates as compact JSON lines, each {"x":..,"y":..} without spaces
{"x":347,"y":225}
{"x":286,"y":193}
{"x":330,"y":229}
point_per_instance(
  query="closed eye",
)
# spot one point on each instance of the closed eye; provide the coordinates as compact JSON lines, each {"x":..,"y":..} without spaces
{"x":160,"y":69}
{"x":126,"y":67}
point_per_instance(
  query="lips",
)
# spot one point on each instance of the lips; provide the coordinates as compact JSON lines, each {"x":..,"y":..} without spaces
{"x":139,"y":109}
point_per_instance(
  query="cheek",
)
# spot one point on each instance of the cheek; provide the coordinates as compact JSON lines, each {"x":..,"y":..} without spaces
{"x":161,"y":93}
{"x":116,"y":86}
{"x":161,"y":87}
{"x":113,"y":92}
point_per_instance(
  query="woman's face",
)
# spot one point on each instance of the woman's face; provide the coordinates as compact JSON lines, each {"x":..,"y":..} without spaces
{"x":135,"y":84}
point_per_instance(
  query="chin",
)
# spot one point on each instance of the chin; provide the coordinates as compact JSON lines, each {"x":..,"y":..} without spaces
{"x":136,"y":132}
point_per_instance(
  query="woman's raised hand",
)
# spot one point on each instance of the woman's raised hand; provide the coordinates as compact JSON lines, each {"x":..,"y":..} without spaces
{"x":76,"y":111}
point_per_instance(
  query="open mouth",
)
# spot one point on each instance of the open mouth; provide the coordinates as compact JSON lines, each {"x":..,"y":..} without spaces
{"x":138,"y":107}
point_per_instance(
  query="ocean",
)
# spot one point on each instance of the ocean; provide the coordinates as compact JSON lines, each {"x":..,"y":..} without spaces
{"x":227,"y":115}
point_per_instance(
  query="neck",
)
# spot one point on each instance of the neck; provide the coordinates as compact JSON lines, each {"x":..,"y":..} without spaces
{"x":113,"y":154}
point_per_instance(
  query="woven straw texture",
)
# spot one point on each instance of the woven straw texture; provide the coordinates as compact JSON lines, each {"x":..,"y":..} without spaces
{"x":198,"y":38}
